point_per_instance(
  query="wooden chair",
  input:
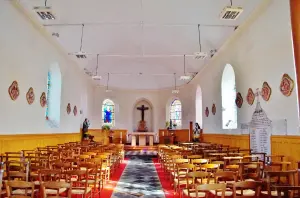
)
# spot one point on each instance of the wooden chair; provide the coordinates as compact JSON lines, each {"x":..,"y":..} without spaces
{"x":193,"y":179}
{"x":55,"y":188}
{"x":17,"y":170}
{"x":278,"y":178}
{"x":180,"y":176}
{"x":245,"y":189}
{"x":288,"y":191}
{"x":80,"y":183}
{"x":19,"y":188}
{"x":218,"y":189}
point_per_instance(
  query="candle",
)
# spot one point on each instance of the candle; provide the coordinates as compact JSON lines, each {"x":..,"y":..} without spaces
{"x":121,"y":135}
{"x":163,"y":133}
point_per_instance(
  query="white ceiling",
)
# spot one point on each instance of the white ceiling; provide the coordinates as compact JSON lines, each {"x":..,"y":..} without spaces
{"x":141,"y":36}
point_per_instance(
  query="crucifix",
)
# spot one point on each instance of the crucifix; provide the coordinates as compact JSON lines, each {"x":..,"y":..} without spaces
{"x":143,"y":109}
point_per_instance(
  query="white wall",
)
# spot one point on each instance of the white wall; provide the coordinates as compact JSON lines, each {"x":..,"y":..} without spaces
{"x":26,"y":55}
{"x":260,"y":52}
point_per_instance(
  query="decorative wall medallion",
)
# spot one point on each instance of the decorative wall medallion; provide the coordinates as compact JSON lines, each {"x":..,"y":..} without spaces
{"x":69,"y":108}
{"x":250,"y":96}
{"x":13,"y":90}
{"x":286,"y":85}
{"x":75,"y":110}
{"x":213,"y":109}
{"x":207,"y":112}
{"x":239,"y":100}
{"x":30,"y":96}
{"x":266,"y":91}
{"x":43,"y":100}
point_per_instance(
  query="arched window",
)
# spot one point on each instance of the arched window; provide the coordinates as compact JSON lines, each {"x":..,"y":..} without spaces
{"x":53,"y":96}
{"x":199,"y":106}
{"x":229,"y":108}
{"x":175,"y":112}
{"x":108,"y":112}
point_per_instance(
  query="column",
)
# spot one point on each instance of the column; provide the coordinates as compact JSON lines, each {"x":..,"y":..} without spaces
{"x":295,"y":21}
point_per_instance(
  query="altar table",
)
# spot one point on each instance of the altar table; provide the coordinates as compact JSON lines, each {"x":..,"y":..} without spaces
{"x":142,"y":138}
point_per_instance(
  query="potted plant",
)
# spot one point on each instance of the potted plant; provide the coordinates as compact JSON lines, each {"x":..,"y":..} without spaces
{"x":105,"y":128}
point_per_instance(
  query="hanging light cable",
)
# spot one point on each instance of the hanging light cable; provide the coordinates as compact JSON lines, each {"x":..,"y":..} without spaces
{"x":200,"y":55}
{"x":107,"y":90}
{"x":96,"y":77}
{"x":184,"y":76}
{"x":175,"y":90}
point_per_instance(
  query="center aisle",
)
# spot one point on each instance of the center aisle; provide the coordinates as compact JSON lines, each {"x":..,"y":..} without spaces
{"x":139,"y":179}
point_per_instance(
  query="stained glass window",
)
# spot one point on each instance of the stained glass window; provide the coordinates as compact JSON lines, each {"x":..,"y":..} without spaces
{"x":108,"y":112}
{"x":52,"y":113}
{"x":175,"y":112}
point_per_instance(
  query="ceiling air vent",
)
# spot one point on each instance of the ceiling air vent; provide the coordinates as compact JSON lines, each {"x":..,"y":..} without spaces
{"x":175,"y":91}
{"x":44,"y":12}
{"x":200,"y":55}
{"x":79,"y":55}
{"x":231,"y":13}
{"x":96,"y":77}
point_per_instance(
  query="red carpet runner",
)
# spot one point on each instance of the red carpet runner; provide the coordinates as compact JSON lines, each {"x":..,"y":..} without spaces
{"x":109,"y":187}
{"x":165,"y":183}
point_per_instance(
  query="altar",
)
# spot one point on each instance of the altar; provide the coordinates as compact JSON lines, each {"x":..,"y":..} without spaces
{"x":142,"y":138}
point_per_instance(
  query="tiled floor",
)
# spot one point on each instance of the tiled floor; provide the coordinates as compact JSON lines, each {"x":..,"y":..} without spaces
{"x":139,"y":179}
{"x":142,"y":152}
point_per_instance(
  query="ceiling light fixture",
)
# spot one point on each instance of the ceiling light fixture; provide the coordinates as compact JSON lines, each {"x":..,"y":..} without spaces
{"x":44,"y":12}
{"x":107,"y":90}
{"x":96,"y":77}
{"x":80,"y":54}
{"x":200,"y":55}
{"x":175,"y":90}
{"x":185,"y":77}
{"x":230,"y":12}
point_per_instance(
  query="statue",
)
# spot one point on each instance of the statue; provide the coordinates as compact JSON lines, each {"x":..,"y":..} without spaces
{"x":85,"y":128}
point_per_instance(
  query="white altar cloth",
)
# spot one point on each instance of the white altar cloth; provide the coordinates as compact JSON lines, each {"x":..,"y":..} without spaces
{"x":142,"y":138}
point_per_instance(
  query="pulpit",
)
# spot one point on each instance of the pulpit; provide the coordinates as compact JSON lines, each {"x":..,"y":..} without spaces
{"x":142,"y":138}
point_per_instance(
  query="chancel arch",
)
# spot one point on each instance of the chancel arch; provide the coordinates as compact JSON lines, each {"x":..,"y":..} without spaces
{"x":228,"y":90}
{"x":54,"y":84}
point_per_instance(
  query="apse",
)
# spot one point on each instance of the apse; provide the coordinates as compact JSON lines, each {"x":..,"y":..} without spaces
{"x":148,"y":115}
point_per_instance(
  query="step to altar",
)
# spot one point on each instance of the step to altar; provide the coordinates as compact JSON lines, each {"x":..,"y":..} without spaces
{"x":140,"y":148}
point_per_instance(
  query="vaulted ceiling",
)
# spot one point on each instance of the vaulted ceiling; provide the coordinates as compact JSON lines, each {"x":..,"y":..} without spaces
{"x":141,"y":43}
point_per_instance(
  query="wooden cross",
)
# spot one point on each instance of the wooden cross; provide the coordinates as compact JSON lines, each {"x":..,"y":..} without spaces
{"x":143,"y":109}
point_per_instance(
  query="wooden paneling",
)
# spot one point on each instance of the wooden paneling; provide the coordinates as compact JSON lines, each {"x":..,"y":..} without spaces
{"x":11,"y":143}
{"x":117,"y":136}
{"x":289,"y":146}
{"x":182,"y":135}
{"x":100,"y":136}
{"x":241,"y":141}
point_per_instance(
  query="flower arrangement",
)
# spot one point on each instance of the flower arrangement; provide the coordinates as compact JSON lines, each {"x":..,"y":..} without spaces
{"x":105,"y":128}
